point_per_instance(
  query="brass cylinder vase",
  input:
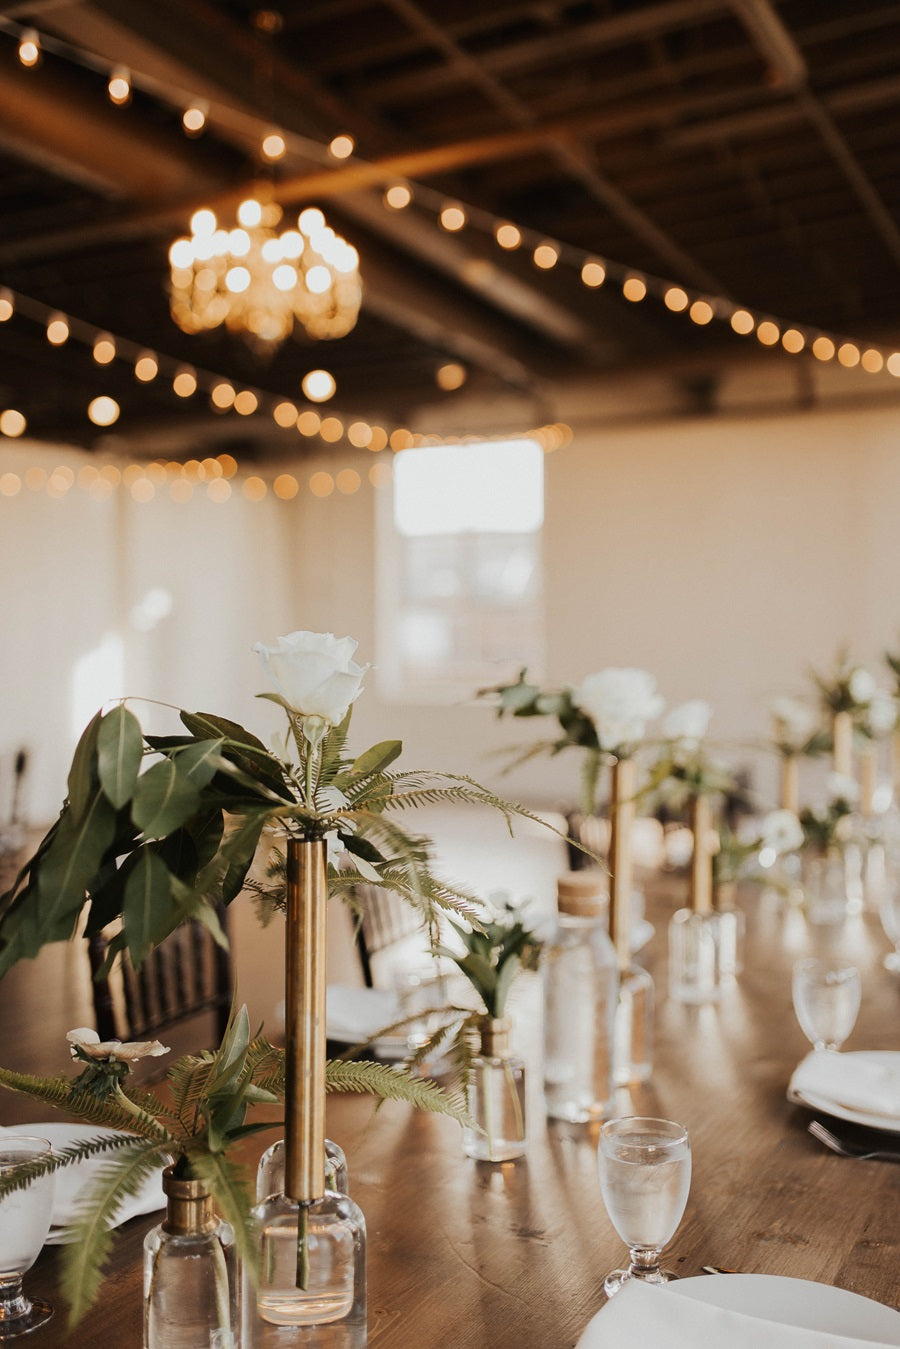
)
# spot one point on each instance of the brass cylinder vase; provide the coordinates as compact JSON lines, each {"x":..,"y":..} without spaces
{"x":305,"y":948}
{"x":702,"y":855}
{"x":621,"y":863}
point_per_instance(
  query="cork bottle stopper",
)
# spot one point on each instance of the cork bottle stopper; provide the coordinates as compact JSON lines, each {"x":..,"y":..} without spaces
{"x":582,"y":894}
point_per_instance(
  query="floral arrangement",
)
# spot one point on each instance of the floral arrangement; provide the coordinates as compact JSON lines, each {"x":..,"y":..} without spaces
{"x":155,"y":845}
{"x":202,"y":1114}
{"x":849,"y":688}
{"x":778,"y":833}
{"x":606,"y":715}
{"x":796,"y":728}
{"x":492,"y":955}
{"x":829,"y":822}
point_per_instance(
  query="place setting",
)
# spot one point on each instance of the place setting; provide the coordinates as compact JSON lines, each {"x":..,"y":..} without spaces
{"x":645,"y":1176}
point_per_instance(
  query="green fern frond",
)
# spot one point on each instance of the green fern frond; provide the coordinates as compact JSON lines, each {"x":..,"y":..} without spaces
{"x":434,"y":1041}
{"x":23,"y":1174}
{"x":187,"y":1080}
{"x":393,"y":1084}
{"x":92,"y":1234}
{"x":61,"y":1093}
{"x":231,"y":1188}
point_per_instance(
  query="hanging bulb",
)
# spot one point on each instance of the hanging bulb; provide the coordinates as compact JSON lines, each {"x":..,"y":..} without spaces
{"x":119,"y":87}
{"x":194,"y":119}
{"x":29,"y":52}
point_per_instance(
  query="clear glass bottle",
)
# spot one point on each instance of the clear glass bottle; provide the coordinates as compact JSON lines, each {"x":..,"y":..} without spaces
{"x":270,"y":1171}
{"x":580,"y":984}
{"x":633,"y":1035}
{"x":633,"y":1032}
{"x":312,"y":1273}
{"x":496,"y":1098}
{"x":732,"y":927}
{"x":695,"y":936}
{"x":825,"y":886}
{"x":190,"y":1273}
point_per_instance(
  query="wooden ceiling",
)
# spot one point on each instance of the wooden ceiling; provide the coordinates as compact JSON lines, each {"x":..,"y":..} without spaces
{"x":747,"y":150}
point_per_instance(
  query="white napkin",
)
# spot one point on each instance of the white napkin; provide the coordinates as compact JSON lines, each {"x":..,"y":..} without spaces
{"x":851,"y":1080}
{"x":641,"y":1316}
{"x":357,"y":1013}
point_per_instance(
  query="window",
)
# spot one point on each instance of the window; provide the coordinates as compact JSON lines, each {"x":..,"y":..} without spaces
{"x":460,"y":583}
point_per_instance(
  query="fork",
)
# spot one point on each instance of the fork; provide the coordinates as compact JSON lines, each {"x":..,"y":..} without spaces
{"x":845,"y":1149}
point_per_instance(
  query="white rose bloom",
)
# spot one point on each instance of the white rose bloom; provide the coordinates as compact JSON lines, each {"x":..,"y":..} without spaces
{"x":882,"y":712}
{"x":688,"y":722}
{"x":861,"y":685}
{"x":315,"y":673}
{"x":797,"y":719}
{"x":88,"y":1041}
{"x":842,"y":787}
{"x":620,"y":703}
{"x":781,"y":831}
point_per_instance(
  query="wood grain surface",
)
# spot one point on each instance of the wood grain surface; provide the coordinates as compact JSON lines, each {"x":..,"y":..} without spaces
{"x":473,"y":1256}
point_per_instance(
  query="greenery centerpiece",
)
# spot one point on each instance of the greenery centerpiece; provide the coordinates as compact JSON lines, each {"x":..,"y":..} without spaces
{"x":157,"y":830}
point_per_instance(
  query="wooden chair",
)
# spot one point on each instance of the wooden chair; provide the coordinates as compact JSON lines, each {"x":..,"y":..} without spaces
{"x":385,"y":920}
{"x":183,"y":978}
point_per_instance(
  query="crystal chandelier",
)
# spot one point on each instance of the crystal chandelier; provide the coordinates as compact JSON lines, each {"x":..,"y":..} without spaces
{"x":258,"y":281}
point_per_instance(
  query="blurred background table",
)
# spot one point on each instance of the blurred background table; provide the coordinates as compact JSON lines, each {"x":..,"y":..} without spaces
{"x":489,"y":1257}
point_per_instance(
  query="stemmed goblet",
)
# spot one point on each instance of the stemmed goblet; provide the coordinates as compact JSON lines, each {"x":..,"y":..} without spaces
{"x":889,"y":909}
{"x":645,"y":1176}
{"x":826,"y":996}
{"x":24,"y":1223}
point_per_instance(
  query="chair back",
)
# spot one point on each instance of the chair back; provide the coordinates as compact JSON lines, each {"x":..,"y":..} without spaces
{"x":184,"y":977}
{"x":385,"y":920}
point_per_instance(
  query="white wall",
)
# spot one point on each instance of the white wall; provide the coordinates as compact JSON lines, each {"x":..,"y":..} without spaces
{"x":727,"y":555}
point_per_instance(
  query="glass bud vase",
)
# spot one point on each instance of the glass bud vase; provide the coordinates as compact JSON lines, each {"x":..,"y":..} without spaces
{"x":633,"y":1035}
{"x":496,"y":1098}
{"x":270,"y":1171}
{"x":312,"y":1274}
{"x":190,"y":1273}
{"x":580,"y":985}
{"x":694,"y":965}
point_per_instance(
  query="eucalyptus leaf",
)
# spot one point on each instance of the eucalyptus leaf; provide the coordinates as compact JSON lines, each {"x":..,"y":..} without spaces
{"x":120,"y":748}
{"x":163,"y":799}
{"x":376,"y":759}
{"x":200,"y":761}
{"x":146,"y":907}
{"x":205,"y":725}
{"x":72,"y":861}
{"x":83,"y":770}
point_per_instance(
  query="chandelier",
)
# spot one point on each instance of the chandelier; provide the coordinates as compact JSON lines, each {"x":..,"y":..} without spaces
{"x":258,"y":282}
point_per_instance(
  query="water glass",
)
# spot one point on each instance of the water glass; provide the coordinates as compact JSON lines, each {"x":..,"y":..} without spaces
{"x":645,"y":1176}
{"x":826,"y":1000}
{"x":889,"y":910}
{"x":24,"y":1223}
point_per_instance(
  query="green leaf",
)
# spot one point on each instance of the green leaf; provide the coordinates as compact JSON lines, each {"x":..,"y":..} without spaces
{"x":120,"y":748}
{"x":82,"y":772}
{"x":163,"y":800}
{"x":72,"y":862}
{"x":376,"y":759}
{"x":146,"y":906}
{"x":204,"y":725}
{"x":200,"y":761}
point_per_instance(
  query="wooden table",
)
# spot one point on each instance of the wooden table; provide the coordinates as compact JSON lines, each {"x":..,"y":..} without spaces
{"x":475,"y":1256}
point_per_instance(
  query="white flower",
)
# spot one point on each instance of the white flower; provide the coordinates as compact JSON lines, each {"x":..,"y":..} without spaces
{"x":796,"y":720}
{"x":315,"y":673}
{"x":91,"y":1046}
{"x":688,"y":722}
{"x":861,"y":685}
{"x":841,"y":787}
{"x":619,"y":703}
{"x":781,"y":831}
{"x":882,"y":712}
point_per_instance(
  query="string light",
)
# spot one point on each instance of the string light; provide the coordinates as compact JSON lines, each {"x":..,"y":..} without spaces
{"x":634,"y":288}
{"x":452,"y":218}
{"x":7,"y":305}
{"x":146,"y":367}
{"x":12,"y":423}
{"x":273,"y":145}
{"x":508,"y":236}
{"x":450,"y":376}
{"x":119,"y":86}
{"x":397,"y":197}
{"x":103,"y":411}
{"x":318,"y":385}
{"x":342,"y":147}
{"x":593,"y":273}
{"x":104,"y":349}
{"x":546,"y":256}
{"x":194,"y":119}
{"x":29,"y":49}
{"x":57,"y":329}
{"x":184,"y":383}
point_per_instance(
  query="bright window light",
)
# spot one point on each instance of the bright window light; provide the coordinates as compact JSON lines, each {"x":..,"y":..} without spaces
{"x":490,"y":487}
{"x":97,"y":678}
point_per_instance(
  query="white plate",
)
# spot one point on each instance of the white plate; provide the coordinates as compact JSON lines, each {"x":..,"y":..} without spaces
{"x":814,"y":1101}
{"x":797,"y":1302}
{"x":71,"y":1181}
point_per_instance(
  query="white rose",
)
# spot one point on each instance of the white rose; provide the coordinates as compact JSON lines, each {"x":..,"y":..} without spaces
{"x":619,"y":703}
{"x":688,"y":722}
{"x":91,"y":1046}
{"x":315,"y":673}
{"x":797,"y":720}
{"x":781,"y":831}
{"x":841,"y":787}
{"x":882,"y":712}
{"x":861,"y":685}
